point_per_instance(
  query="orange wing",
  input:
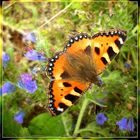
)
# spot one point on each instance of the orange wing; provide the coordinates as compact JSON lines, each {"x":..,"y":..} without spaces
{"x":82,"y":60}
{"x":106,"y":46}
{"x":63,"y":93}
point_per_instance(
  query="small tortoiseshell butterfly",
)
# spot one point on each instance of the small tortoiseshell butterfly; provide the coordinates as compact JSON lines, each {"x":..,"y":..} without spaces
{"x":74,"y":69}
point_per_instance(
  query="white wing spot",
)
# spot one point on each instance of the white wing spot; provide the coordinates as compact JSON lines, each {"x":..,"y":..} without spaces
{"x":121,"y":41}
{"x":68,"y":45}
{"x":112,"y":32}
{"x":60,"y":109}
{"x":50,"y":64}
{"x":56,"y":56}
{"x":51,"y":101}
{"x":52,"y":60}
{"x":76,"y":38}
{"x":71,"y":40}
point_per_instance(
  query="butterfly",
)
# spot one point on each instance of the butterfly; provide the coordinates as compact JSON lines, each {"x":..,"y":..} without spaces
{"x":74,"y":69}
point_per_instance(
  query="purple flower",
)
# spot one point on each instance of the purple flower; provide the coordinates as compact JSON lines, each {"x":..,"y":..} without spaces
{"x":19,"y":117}
{"x":130,"y":125}
{"x":26,"y":82}
{"x":101,"y":118}
{"x":125,"y":124}
{"x":5,"y":59}
{"x":7,"y":88}
{"x":34,"y":55}
{"x":30,"y":37}
{"x":122,"y":124}
{"x":26,"y":77}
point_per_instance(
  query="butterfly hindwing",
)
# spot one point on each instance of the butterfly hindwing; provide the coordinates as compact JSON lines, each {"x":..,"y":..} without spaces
{"x":82,"y":60}
{"x":63,"y":93}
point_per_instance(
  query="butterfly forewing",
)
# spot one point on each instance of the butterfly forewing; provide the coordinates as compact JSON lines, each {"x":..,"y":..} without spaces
{"x":106,"y":46}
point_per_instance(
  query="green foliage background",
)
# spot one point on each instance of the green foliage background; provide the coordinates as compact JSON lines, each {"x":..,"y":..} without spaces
{"x":116,"y":99}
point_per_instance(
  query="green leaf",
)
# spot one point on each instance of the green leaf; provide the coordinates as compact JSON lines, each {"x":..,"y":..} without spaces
{"x":24,"y":132}
{"x":46,"y":125}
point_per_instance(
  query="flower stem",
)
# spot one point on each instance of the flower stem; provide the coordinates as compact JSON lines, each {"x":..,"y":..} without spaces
{"x":65,"y":126}
{"x":85,"y":103}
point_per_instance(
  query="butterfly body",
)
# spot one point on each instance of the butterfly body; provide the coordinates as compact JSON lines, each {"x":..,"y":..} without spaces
{"x":82,"y":60}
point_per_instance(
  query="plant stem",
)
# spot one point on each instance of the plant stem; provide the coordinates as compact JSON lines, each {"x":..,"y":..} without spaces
{"x":60,"y":12}
{"x":9,"y":5}
{"x":65,"y":125}
{"x":85,"y":103}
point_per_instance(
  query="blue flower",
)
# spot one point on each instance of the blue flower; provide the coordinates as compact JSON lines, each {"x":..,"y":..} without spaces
{"x":34,"y":55}
{"x":7,"y":88}
{"x":30,"y":37}
{"x":130,"y":125}
{"x":101,"y":118}
{"x":122,"y":124}
{"x":125,"y":124}
{"x":5,"y":59}
{"x":26,"y":77}
{"x":19,"y":117}
{"x":26,"y":82}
